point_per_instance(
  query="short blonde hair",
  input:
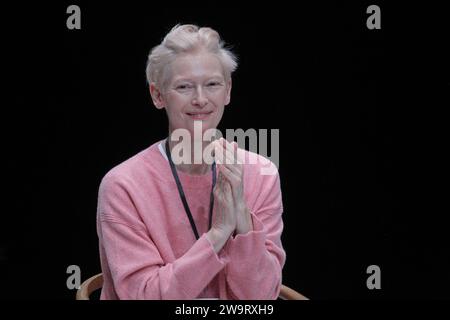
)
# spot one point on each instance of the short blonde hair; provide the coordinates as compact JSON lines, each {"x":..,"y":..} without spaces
{"x":187,"y":38}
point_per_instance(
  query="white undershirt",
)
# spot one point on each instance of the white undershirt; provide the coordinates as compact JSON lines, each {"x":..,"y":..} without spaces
{"x":161,"y":149}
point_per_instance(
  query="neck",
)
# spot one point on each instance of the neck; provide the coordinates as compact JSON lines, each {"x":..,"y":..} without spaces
{"x":192,"y":168}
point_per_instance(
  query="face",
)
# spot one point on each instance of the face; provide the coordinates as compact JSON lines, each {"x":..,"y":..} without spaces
{"x":196,"y":91}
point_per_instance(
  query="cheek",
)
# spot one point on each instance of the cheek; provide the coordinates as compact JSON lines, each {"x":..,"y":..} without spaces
{"x":221,"y":99}
{"x":226,"y":97}
{"x":176,"y":103}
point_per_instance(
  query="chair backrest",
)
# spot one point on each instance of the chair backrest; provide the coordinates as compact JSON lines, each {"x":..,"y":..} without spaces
{"x":96,"y":282}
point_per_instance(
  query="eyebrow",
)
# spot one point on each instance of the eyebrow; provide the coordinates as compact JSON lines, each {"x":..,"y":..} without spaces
{"x":216,"y":76}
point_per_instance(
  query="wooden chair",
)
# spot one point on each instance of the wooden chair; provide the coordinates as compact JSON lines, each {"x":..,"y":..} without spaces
{"x":96,"y":282}
{"x":90,"y":285}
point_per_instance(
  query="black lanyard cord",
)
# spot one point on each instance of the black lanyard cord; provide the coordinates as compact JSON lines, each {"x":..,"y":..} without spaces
{"x":182,"y":195}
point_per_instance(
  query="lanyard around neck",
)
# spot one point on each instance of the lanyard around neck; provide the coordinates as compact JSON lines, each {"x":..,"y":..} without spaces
{"x":182,"y":195}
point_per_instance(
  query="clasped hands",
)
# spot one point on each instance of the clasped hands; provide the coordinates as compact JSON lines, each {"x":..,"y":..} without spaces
{"x":230,"y":210}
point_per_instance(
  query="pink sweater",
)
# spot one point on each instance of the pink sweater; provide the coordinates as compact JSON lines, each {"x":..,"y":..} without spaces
{"x":148,"y":249}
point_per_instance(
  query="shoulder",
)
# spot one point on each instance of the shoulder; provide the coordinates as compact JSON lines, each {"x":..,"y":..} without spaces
{"x":133,"y":169}
{"x":257,"y":166}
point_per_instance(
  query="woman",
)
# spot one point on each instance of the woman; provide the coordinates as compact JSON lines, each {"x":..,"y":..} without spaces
{"x":191,"y":230}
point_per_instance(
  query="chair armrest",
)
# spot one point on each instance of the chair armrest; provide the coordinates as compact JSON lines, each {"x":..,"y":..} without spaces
{"x":89,"y":286}
{"x":287,"y":293}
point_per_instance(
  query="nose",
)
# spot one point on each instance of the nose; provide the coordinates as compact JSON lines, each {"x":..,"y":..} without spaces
{"x":199,"y":99}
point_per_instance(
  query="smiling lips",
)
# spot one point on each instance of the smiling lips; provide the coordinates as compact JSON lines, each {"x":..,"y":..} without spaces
{"x":199,"y":115}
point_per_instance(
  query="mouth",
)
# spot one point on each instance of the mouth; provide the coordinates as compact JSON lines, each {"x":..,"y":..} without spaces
{"x":199,"y":115}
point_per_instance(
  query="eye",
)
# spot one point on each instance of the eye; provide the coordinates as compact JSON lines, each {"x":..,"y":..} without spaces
{"x":214,"y":84}
{"x":183,"y":86}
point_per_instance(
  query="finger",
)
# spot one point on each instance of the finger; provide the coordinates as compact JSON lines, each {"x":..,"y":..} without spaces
{"x":221,"y":180}
{"x":217,"y":172}
{"x":231,"y":167}
{"x":231,"y":152}
{"x":231,"y":158}
{"x":224,"y":157}
{"x":227,"y":155}
{"x":241,"y":164}
{"x":234,"y":175}
{"x":237,"y":169}
{"x":228,"y":173}
{"x":235,"y":145}
{"x":219,"y":185}
{"x":228,"y":192}
{"x":219,"y":154}
{"x":234,"y":182}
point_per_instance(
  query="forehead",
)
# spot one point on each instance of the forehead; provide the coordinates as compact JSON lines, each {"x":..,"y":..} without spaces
{"x":196,"y":66}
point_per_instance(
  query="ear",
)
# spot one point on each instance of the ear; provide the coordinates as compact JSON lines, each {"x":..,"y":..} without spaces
{"x":228,"y":97}
{"x":157,"y":97}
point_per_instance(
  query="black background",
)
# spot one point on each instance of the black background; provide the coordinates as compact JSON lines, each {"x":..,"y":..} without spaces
{"x":360,"y":114}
